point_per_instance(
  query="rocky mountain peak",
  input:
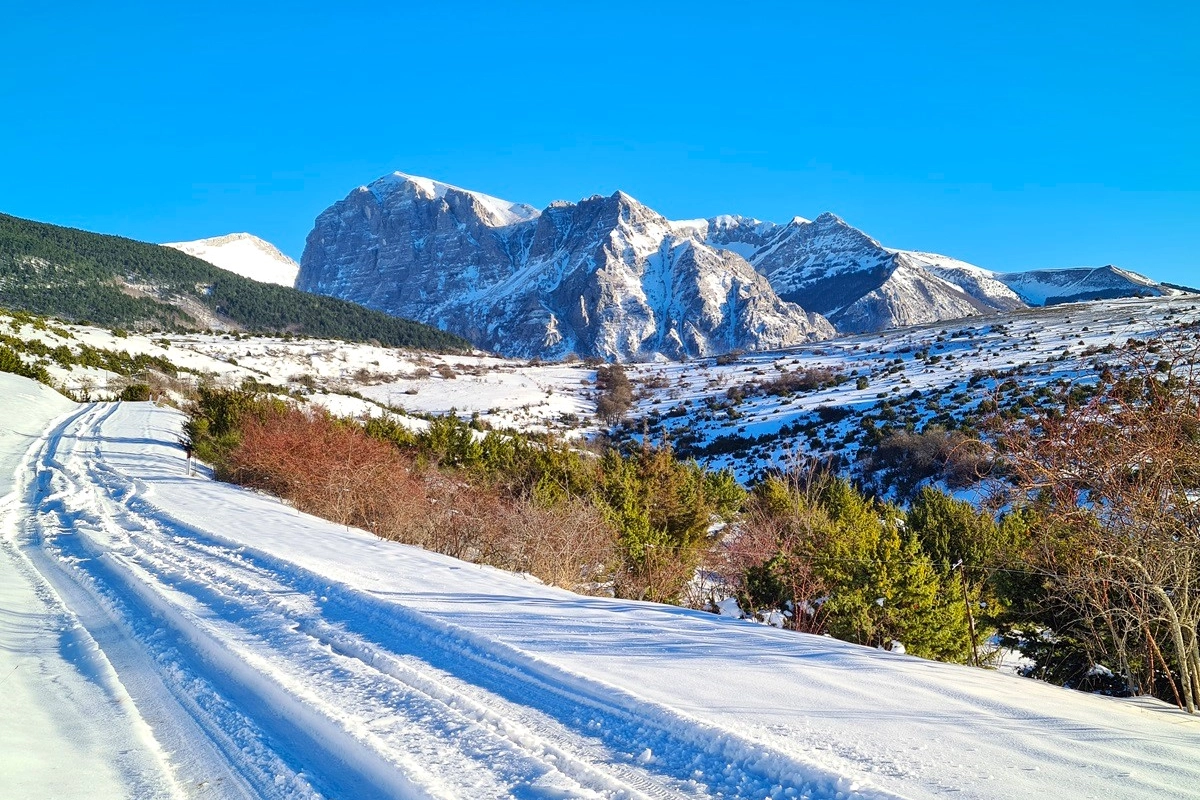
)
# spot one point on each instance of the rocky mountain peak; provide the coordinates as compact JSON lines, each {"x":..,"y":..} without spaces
{"x":607,"y":276}
{"x":400,"y":187}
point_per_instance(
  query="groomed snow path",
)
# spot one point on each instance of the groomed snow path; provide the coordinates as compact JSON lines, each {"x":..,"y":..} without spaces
{"x":276,"y":655}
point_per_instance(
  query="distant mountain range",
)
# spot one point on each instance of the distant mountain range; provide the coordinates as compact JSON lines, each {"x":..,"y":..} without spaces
{"x":604,"y":277}
{"x":610,"y":277}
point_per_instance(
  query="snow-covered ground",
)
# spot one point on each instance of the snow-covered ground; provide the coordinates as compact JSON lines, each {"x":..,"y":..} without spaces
{"x":954,"y":364}
{"x":352,"y":380}
{"x":700,"y":405}
{"x":67,"y":726}
{"x":240,"y":649}
{"x":923,"y":371}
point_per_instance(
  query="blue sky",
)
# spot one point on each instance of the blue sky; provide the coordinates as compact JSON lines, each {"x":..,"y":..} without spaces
{"x":1011,"y":135}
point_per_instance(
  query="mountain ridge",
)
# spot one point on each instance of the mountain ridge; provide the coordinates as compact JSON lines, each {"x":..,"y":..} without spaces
{"x":605,"y":277}
{"x":586,"y":278}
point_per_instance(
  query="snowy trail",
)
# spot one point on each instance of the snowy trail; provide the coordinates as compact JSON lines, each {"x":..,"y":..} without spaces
{"x":309,"y":689}
{"x":277,"y":655}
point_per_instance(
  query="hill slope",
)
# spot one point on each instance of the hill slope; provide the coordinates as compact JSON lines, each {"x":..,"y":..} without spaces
{"x":277,"y":655}
{"x":77,"y":275}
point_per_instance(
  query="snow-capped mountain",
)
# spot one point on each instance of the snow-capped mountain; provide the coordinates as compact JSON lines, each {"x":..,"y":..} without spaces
{"x":861,"y":285}
{"x":604,"y":277}
{"x":612,"y":278}
{"x":1043,"y":287}
{"x":742,"y":235}
{"x":984,"y":285}
{"x":244,"y":254}
{"x":837,"y":270}
{"x":1050,"y":286}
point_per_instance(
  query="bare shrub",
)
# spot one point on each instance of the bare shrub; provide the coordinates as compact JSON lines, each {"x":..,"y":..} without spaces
{"x":1114,"y":482}
{"x":904,"y":459}
{"x":568,"y":545}
{"x":615,"y":393}
{"x":659,"y":575}
{"x":770,"y":560}
{"x":326,"y":468}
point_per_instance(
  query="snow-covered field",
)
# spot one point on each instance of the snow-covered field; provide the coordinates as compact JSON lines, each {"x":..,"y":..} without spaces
{"x":177,"y":637}
{"x":724,"y":414}
{"x":353,"y":380}
{"x":931,"y":367}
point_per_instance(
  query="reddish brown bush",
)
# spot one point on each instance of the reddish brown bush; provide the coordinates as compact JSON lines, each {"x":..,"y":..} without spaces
{"x":334,"y":470}
{"x":329,"y":469}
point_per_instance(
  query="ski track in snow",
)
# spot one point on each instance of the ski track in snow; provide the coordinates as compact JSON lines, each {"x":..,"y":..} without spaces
{"x":264,"y":680}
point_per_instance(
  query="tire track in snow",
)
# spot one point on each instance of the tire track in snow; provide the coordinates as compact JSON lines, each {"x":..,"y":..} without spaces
{"x":267,"y":741}
{"x":529,"y":729}
{"x":139,"y":568}
{"x":218,"y":578}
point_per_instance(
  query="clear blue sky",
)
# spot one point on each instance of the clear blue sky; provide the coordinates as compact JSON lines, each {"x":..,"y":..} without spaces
{"x":1011,"y":135}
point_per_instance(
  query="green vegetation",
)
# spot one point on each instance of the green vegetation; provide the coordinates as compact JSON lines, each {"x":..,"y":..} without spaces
{"x":652,"y":509}
{"x":31,"y":357}
{"x":1091,"y":571}
{"x":11,"y":361}
{"x":82,"y":276}
{"x":827,"y":559}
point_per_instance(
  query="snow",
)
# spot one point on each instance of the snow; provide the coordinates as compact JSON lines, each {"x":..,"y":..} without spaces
{"x":67,"y":727}
{"x":504,"y":212}
{"x":245,"y":255}
{"x":946,"y":262}
{"x":284,"y":656}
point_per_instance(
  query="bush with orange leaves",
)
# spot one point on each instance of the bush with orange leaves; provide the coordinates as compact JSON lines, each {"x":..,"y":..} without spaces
{"x":328,"y":468}
{"x":333,"y":469}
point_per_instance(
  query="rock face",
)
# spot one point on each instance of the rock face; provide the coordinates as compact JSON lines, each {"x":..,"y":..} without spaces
{"x":605,"y":277}
{"x":609,"y":277}
{"x":859,"y":284}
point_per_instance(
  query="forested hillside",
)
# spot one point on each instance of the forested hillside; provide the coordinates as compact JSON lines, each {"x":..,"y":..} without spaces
{"x":77,"y":275}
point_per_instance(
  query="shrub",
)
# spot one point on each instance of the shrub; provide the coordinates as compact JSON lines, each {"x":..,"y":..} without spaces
{"x":135,"y":392}
{"x":615,"y":396}
{"x":327,"y":468}
{"x":10,"y":361}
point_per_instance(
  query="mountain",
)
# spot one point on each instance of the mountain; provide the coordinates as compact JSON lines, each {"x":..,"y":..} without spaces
{"x":837,"y":270}
{"x":861,"y":285}
{"x":1047,"y":287}
{"x":244,"y":254}
{"x":78,"y":275}
{"x":605,"y":277}
{"x":609,"y":277}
